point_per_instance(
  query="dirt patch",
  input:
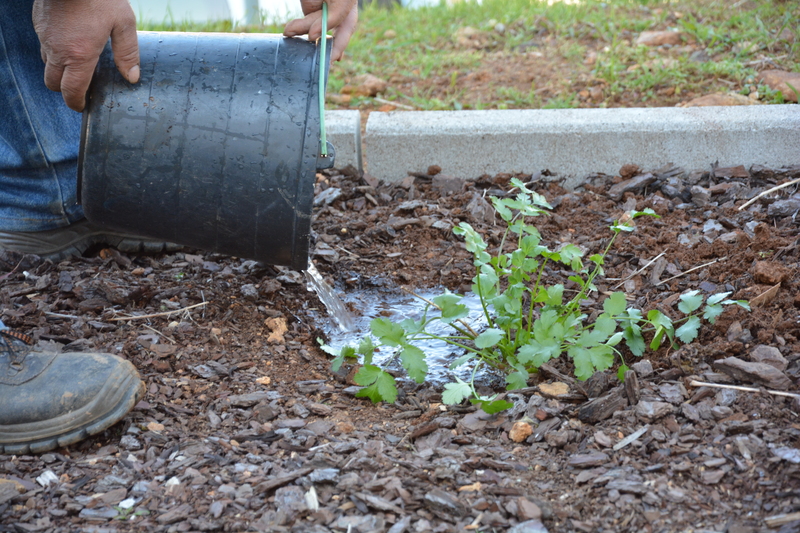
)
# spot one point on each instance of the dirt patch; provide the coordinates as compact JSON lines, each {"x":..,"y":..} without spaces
{"x":245,"y":428}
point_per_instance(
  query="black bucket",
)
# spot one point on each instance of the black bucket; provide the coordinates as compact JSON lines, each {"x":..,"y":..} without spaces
{"x":216,"y":147}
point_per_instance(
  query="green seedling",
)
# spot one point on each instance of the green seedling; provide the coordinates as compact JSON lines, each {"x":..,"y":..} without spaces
{"x":529,"y":321}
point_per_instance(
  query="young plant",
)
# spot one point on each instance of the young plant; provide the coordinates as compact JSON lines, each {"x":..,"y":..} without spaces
{"x":529,"y":322}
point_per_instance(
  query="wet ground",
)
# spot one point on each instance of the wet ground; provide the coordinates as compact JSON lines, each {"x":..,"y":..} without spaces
{"x":245,"y":428}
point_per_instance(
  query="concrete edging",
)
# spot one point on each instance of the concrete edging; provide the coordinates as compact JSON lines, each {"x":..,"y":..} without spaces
{"x":573,"y":143}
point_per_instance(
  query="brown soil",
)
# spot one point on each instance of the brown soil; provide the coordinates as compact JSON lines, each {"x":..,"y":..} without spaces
{"x":242,"y":419}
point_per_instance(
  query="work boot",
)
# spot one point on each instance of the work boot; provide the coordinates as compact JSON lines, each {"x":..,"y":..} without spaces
{"x":50,"y":399}
{"x":73,"y":240}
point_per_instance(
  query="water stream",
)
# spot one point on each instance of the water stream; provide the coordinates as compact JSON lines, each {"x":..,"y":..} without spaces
{"x":343,"y":328}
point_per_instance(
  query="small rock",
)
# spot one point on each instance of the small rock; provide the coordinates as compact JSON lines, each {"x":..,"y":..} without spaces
{"x":520,"y":431}
{"x":779,"y":80}
{"x":737,"y":333}
{"x":720,"y":412}
{"x":529,"y":526}
{"x":440,"y":501}
{"x":770,"y":273}
{"x":769,"y":355}
{"x":791,"y":455}
{"x":712,"y":477}
{"x":631,"y":185}
{"x":726,"y":397}
{"x":700,"y":196}
{"x":720,"y":99}
{"x":659,"y":38}
{"x":588,"y":460}
{"x":643,"y":368}
{"x":366,"y":85}
{"x":447,"y":184}
{"x":651,"y":411}
{"x":671,"y":393}
{"x":527,"y":510}
{"x":249,"y":291}
{"x":760,"y":373}
{"x":784,"y":208}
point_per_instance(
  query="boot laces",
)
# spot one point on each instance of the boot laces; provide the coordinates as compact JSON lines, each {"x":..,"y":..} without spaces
{"x":16,"y":345}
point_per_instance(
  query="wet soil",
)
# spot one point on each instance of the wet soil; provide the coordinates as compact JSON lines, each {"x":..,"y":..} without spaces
{"x":245,"y":428}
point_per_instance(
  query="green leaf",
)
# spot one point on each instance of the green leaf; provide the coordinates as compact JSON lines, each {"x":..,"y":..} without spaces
{"x":688,"y":331}
{"x":379,"y":385}
{"x":646,"y":211}
{"x":717,"y":298}
{"x":455,"y":393}
{"x":615,"y":304}
{"x":451,"y":308}
{"x":489,"y":338}
{"x":388,"y":332}
{"x":517,"y":380}
{"x":492,"y":407}
{"x":590,"y":360}
{"x":690,"y":302}
{"x":413,"y":360}
{"x":346,"y":352}
{"x":711,"y":312}
{"x":604,"y":327}
{"x":634,"y":339}
{"x":571,"y":256}
{"x":621,"y":372}
{"x":365,"y":347}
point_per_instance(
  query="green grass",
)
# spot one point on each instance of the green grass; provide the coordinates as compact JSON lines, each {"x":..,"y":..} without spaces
{"x":418,"y":53}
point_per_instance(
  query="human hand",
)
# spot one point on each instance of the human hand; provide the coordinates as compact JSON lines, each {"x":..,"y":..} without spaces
{"x":342,"y":18}
{"x":73,"y":34}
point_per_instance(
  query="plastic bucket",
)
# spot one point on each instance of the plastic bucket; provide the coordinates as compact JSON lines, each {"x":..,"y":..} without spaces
{"x":216,"y":147}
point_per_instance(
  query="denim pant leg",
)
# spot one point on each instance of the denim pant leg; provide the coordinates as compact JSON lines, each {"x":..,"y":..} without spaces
{"x":39,"y":134}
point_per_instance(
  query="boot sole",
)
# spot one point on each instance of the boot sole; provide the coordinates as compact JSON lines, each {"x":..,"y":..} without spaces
{"x":47,"y":435}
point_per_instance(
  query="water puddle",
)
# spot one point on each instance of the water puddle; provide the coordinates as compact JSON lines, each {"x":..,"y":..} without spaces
{"x":373,"y":303}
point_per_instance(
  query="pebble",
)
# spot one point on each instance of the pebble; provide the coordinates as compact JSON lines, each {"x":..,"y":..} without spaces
{"x":651,"y":411}
{"x":759,"y":373}
{"x":643,"y":368}
{"x":529,"y":526}
{"x":769,"y":355}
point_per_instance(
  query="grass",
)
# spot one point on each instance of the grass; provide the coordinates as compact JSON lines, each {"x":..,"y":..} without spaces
{"x":539,"y":54}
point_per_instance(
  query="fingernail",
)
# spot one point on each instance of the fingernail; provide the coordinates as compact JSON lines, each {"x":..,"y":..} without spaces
{"x":133,"y":74}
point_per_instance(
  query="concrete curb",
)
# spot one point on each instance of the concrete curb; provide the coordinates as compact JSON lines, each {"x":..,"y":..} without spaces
{"x":344,"y":133}
{"x":573,"y":143}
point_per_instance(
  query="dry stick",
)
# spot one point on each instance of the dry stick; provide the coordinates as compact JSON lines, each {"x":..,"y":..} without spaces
{"x":764,"y":193}
{"x":692,"y":270}
{"x":630,"y":438}
{"x":154,"y":330}
{"x":165,"y":313}
{"x":656,"y":258}
{"x":695,"y":383}
{"x":396,"y":104}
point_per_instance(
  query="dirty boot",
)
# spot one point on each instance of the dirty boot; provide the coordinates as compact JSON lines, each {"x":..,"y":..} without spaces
{"x":50,"y":399}
{"x":74,"y":239}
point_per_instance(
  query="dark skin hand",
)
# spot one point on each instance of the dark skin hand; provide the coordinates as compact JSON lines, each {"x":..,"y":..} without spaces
{"x":73,"y":33}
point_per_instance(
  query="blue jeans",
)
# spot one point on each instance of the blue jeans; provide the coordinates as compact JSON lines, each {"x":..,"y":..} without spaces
{"x":39,"y":134}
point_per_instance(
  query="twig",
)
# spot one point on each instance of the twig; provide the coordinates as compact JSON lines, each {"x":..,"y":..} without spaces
{"x":165,"y":313}
{"x":630,"y":438}
{"x":61,"y":315}
{"x":396,"y":104}
{"x":695,"y":383}
{"x":768,"y":191}
{"x":154,"y":330}
{"x":692,"y":270}
{"x":656,"y":258}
